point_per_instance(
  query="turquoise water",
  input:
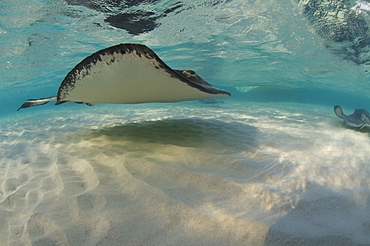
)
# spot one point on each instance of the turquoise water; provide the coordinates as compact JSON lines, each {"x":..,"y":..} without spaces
{"x":271,"y":165}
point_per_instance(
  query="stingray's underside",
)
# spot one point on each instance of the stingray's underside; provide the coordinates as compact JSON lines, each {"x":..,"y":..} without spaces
{"x":129,"y":74}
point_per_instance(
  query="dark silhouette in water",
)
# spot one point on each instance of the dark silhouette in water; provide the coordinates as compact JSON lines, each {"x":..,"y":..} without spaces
{"x":359,"y":119}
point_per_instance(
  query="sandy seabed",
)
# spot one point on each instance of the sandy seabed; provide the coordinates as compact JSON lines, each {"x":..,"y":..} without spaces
{"x":183,"y":174}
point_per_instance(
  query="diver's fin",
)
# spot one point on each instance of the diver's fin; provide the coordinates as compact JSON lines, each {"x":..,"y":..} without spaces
{"x":36,"y":102}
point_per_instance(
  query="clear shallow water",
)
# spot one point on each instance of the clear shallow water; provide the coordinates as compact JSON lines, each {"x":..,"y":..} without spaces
{"x":270,"y":165}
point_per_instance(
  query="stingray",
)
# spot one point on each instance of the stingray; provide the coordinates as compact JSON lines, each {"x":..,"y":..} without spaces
{"x":359,"y":119}
{"x":128,"y":74}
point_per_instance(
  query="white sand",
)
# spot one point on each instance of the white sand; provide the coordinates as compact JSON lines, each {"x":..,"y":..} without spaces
{"x":182,"y":174}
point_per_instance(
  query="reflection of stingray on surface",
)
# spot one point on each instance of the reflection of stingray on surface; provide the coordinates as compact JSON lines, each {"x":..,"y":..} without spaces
{"x":194,"y":133}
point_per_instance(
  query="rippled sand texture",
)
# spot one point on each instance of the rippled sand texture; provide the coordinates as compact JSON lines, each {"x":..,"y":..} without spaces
{"x":179,"y":175}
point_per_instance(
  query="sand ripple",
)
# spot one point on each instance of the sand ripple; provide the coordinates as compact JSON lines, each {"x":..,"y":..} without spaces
{"x":217,"y":179}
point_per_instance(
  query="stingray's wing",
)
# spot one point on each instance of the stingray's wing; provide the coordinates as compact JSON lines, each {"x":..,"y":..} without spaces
{"x":338,"y":111}
{"x":132,"y":73}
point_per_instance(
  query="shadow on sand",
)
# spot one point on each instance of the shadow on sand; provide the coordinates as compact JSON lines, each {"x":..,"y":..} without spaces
{"x":207,"y":134}
{"x":322,"y":217}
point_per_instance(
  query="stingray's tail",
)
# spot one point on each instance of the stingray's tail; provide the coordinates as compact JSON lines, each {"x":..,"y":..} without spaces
{"x":36,"y":102}
{"x":338,"y":111}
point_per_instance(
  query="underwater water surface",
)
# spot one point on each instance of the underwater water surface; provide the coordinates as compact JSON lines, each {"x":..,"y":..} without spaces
{"x":271,"y":165}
